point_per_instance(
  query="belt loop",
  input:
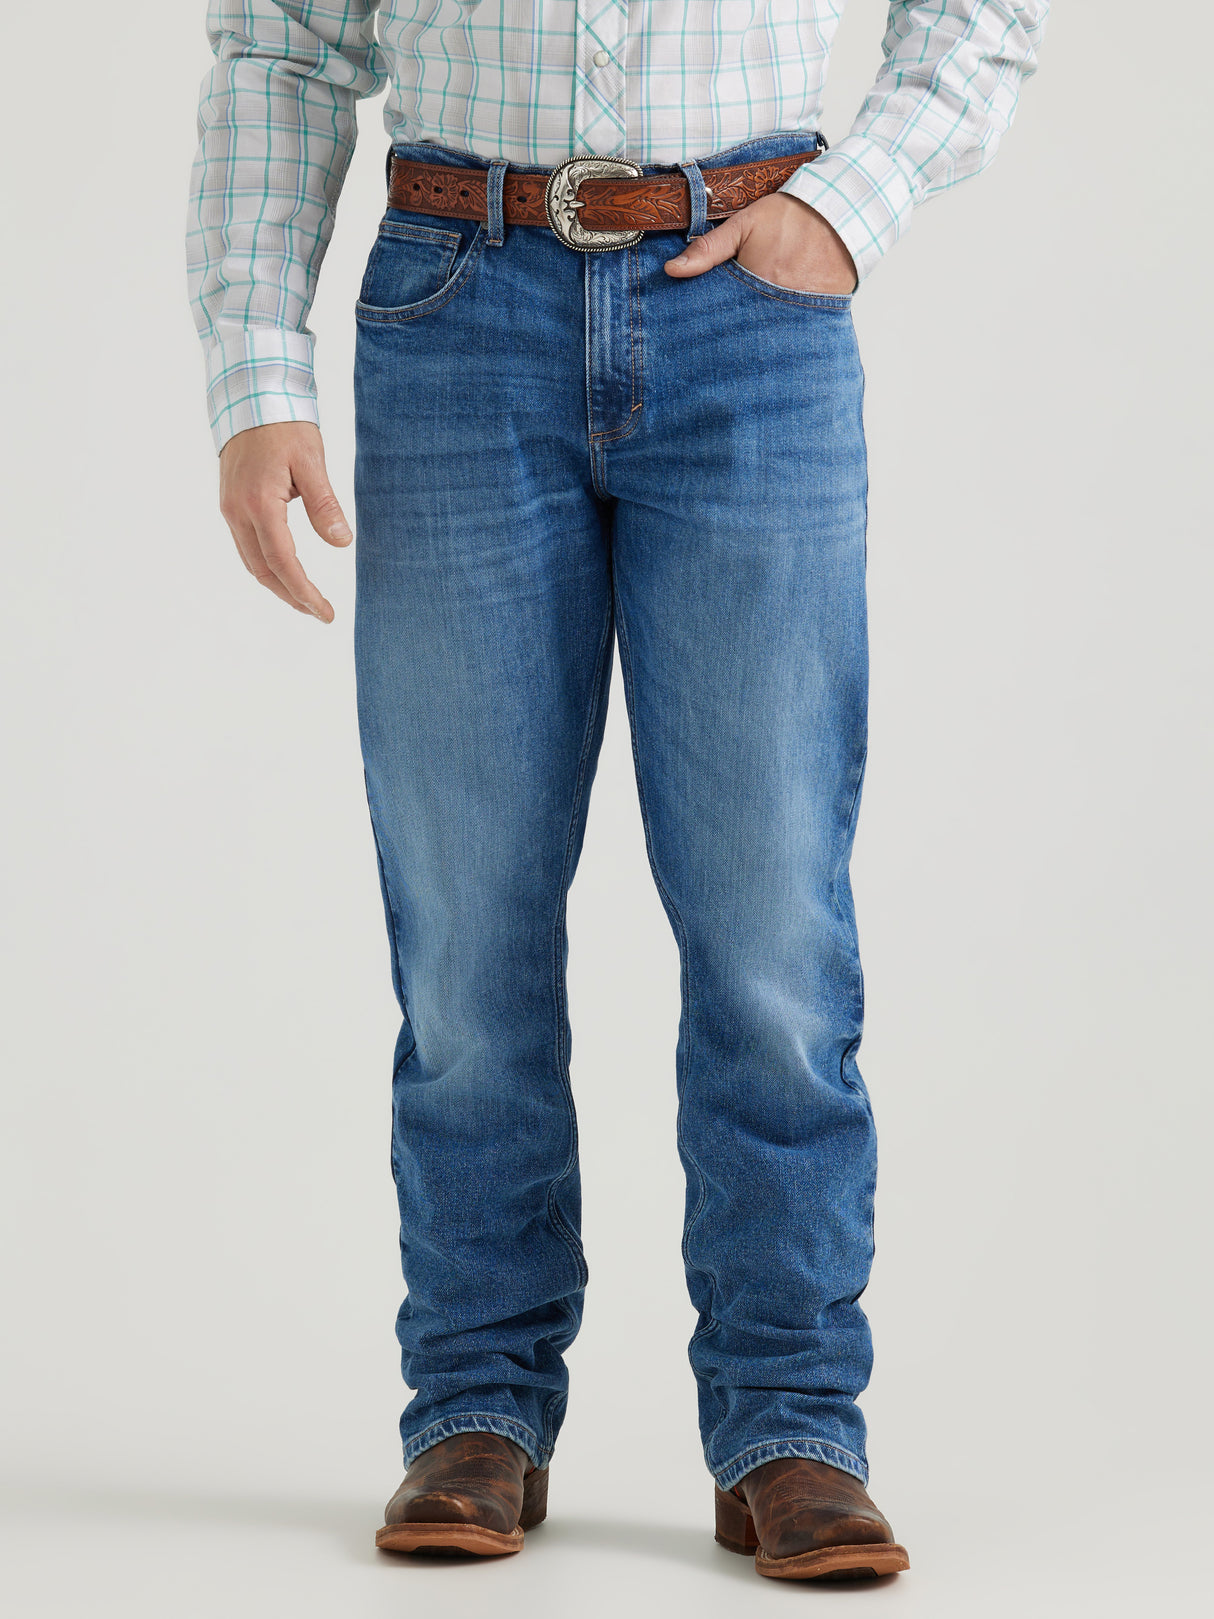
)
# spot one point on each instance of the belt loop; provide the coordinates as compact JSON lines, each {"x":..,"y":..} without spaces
{"x":699,"y":199}
{"x":497,"y":221}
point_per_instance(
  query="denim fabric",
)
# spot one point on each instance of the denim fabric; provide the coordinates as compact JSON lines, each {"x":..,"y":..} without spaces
{"x":557,"y":453}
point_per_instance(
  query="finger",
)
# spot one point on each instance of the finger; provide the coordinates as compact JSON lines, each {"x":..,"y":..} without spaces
{"x":702,"y":252}
{"x":321,"y":504}
{"x":278,"y":550}
{"x":249,"y":552}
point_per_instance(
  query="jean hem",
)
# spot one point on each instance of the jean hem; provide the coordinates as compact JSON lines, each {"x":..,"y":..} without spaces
{"x":812,"y":1450}
{"x":479,"y":1422}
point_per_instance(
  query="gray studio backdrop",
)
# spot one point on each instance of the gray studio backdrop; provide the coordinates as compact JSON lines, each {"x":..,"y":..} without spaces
{"x":200,"y":1266}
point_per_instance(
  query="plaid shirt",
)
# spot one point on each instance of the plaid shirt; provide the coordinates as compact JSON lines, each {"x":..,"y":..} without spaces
{"x":656,"y":81}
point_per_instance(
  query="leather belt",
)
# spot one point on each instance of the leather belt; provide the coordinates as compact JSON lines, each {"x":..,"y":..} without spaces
{"x":591,"y":203}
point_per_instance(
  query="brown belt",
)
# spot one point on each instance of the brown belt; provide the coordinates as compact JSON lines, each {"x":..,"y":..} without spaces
{"x":590,"y":202}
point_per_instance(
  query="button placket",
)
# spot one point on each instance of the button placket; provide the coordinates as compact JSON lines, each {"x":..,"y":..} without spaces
{"x":600,"y":36}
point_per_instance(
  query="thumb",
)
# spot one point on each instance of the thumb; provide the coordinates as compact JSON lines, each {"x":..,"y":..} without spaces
{"x":321,"y":504}
{"x":702,"y":252}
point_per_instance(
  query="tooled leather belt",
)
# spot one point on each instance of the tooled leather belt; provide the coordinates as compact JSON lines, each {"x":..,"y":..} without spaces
{"x":591,"y":203}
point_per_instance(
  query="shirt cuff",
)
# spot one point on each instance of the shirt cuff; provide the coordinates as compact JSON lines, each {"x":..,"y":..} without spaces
{"x":859,"y":189}
{"x":258,"y":375}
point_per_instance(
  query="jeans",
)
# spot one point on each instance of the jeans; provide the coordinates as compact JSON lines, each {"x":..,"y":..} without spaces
{"x":558,"y":452}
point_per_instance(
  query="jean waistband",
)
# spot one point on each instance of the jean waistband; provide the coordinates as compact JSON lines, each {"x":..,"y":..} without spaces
{"x":782,"y":143}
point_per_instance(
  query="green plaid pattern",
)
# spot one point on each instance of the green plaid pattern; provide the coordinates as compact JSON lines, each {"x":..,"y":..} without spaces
{"x":657,"y":81}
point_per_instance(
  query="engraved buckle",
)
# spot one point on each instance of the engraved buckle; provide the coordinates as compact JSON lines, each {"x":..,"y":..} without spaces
{"x":561,"y":203}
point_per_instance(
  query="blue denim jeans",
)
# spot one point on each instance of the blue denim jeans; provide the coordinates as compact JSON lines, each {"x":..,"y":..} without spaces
{"x":558,"y":452}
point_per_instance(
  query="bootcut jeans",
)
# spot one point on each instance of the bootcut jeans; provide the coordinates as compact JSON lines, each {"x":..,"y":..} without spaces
{"x":558,"y":452}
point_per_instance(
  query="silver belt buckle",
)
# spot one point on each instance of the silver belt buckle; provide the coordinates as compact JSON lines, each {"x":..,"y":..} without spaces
{"x":561,"y":203}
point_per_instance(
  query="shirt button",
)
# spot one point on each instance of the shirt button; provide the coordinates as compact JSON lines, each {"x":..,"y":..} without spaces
{"x":601,"y":58}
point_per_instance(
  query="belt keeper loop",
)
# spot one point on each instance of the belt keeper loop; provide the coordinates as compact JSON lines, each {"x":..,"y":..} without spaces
{"x":699,"y":199}
{"x":497,"y":220}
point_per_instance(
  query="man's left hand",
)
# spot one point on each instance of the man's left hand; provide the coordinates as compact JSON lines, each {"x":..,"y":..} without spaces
{"x":779,"y":238}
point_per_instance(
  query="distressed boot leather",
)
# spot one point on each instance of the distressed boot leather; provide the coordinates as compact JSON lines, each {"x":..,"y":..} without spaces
{"x":804,"y":1520}
{"x":475,"y":1493}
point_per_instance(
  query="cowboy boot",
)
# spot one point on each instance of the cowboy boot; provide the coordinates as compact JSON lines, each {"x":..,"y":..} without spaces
{"x":475,"y":1492}
{"x":804,"y":1520}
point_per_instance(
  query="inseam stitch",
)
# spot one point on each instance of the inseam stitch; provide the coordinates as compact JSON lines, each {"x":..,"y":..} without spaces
{"x":848,"y":839}
{"x":397,"y":973}
{"x":613,"y":435}
{"x":562,"y":1048}
{"x":685,"y":953}
{"x":549,"y":1422}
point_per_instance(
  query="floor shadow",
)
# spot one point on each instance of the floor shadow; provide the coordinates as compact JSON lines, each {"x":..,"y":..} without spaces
{"x":690,"y":1548}
{"x":351,"y":1524}
{"x":666,"y":1543}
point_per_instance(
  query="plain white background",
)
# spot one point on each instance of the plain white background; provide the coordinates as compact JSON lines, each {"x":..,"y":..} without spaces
{"x":199,"y":1383}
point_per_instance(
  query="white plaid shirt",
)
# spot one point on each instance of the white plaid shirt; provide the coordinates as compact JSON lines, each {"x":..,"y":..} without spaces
{"x":656,"y":81}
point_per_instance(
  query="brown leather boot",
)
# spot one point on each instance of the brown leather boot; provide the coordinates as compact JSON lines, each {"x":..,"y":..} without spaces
{"x":476,"y":1492}
{"x":806,"y":1521}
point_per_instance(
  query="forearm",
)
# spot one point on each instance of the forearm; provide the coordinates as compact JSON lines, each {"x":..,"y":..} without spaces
{"x":946,"y":95}
{"x":276,"y":129}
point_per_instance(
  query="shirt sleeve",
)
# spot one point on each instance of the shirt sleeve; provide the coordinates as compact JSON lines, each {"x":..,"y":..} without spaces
{"x":946,"y":94}
{"x":276,"y":129}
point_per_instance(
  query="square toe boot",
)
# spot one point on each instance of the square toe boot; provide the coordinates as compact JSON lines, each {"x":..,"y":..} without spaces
{"x":804,"y":1520}
{"x":475,"y":1492}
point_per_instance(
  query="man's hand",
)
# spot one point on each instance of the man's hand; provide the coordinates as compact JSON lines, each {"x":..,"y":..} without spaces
{"x":779,"y":238}
{"x":260,"y":471}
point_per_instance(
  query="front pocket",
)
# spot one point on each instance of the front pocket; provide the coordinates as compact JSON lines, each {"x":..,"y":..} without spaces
{"x":415,"y":269}
{"x":787,"y":295}
{"x":408,"y":264}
